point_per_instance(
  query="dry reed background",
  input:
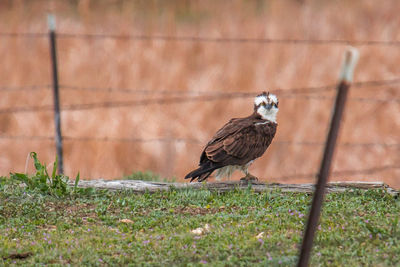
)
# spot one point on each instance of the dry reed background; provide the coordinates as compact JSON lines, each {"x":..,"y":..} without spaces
{"x":188,"y":67}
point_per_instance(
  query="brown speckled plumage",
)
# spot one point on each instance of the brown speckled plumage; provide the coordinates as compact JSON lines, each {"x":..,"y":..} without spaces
{"x":236,"y":143}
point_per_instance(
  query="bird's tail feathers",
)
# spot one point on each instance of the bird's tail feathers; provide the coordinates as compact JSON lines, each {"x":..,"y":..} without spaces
{"x":203,"y":172}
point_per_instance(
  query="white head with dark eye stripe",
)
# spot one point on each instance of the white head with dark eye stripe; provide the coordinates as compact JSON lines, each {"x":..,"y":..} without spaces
{"x":266,"y":105}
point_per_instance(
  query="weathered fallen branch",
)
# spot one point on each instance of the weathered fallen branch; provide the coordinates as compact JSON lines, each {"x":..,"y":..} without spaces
{"x":145,"y":186}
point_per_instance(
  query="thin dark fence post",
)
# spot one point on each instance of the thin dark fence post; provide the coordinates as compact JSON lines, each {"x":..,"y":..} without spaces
{"x":57,"y":118}
{"x":345,"y":79}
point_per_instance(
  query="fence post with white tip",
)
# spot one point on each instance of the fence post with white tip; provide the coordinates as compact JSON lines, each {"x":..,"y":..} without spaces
{"x":345,"y":79}
{"x":57,"y":117}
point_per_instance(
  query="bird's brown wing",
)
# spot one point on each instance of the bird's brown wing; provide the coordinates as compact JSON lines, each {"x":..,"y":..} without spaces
{"x":234,"y":125}
{"x":239,"y":141}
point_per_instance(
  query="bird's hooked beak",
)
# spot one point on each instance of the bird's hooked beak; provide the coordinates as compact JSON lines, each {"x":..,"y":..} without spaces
{"x":268,"y":106}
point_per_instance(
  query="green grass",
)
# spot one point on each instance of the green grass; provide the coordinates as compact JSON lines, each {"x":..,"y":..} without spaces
{"x":357,"y":228}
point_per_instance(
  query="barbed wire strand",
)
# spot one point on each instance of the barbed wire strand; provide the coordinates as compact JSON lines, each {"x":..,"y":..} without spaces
{"x":231,"y":39}
{"x":131,"y":90}
{"x":242,"y":40}
{"x":23,"y":34}
{"x":211,"y":93}
{"x":185,"y":140}
{"x":374,"y":83}
{"x":24,"y":87}
{"x":27,"y":109}
{"x":164,"y":101}
{"x":298,"y":90}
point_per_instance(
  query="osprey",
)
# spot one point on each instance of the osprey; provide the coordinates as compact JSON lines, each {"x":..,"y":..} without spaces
{"x":239,"y":142}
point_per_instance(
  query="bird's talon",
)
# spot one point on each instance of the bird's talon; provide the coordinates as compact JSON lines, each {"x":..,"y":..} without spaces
{"x":248,"y":178}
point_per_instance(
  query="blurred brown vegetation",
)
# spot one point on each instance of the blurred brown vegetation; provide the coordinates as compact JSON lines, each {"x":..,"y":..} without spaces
{"x":157,"y":65}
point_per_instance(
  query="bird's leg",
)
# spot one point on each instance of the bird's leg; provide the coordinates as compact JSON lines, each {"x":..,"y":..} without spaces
{"x":248,"y":176}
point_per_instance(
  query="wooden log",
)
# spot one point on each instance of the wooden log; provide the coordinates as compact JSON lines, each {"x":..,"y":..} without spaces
{"x":147,"y":186}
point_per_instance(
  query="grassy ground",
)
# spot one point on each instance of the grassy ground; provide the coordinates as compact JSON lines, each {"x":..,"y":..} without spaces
{"x":88,"y":227}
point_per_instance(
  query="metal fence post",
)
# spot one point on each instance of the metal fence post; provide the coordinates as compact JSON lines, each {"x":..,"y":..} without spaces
{"x":345,"y":78}
{"x":57,"y":118}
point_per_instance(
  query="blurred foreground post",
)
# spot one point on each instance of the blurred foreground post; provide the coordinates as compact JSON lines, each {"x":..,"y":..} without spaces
{"x":345,"y":78}
{"x":57,"y":118}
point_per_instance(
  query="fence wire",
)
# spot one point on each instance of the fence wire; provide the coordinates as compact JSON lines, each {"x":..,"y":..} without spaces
{"x":208,"y":39}
{"x":295,"y":90}
{"x":203,"y":96}
{"x":11,"y":88}
{"x":166,"y":101}
{"x":185,"y":140}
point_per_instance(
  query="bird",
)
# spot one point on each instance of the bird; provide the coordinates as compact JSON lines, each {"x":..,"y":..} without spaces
{"x":239,"y":142}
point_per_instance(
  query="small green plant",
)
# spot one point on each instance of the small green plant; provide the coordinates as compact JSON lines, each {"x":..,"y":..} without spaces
{"x":56,"y":184}
{"x":3,"y":180}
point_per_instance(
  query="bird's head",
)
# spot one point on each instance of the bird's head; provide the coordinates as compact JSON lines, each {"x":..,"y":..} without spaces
{"x":266,"y":105}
